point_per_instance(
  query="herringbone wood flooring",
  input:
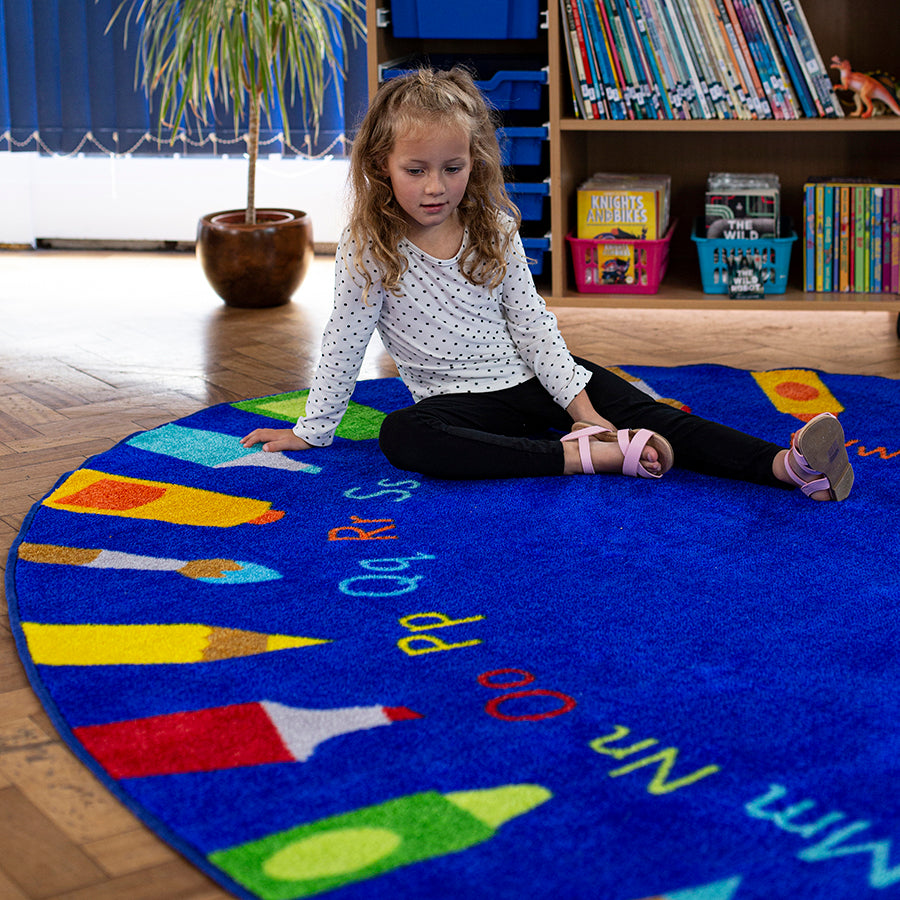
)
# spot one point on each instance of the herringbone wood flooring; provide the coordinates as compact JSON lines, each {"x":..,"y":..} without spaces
{"x":96,"y":345}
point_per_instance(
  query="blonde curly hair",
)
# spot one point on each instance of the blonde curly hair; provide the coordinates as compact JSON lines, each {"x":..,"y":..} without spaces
{"x":429,"y":97}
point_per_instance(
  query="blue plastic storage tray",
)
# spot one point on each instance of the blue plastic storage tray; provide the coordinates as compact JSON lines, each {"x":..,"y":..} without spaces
{"x":513,"y":88}
{"x":521,"y":146}
{"x":529,"y":197}
{"x":535,"y":250}
{"x":465,"y":19}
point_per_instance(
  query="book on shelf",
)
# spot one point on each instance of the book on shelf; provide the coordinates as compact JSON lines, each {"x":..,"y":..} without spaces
{"x":694,"y":59}
{"x":852,"y":235}
{"x":617,"y":207}
{"x":742,"y":206}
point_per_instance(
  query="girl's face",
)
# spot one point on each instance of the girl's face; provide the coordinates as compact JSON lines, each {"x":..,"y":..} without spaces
{"x":429,"y":169}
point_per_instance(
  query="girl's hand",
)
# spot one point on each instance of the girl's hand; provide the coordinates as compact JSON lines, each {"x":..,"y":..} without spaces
{"x":274,"y":439}
{"x":582,"y":410}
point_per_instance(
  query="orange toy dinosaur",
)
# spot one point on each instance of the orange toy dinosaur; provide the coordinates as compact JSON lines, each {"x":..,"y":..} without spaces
{"x":866,"y":89}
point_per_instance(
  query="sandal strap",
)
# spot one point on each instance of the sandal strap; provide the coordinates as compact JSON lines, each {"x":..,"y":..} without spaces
{"x":795,"y":457}
{"x":632,"y":447}
{"x":583,"y":436}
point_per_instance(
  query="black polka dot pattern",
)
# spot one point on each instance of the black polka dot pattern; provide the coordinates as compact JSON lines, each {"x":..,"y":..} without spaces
{"x":445,"y":334}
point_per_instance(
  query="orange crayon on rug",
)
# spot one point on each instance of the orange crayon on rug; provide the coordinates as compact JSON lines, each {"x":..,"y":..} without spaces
{"x":225,"y":737}
{"x":139,"y":645}
{"x":89,"y":491}
{"x":798,"y":392}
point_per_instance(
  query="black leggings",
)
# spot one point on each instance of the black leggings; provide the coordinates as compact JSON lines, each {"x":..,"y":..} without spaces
{"x":510,"y":433}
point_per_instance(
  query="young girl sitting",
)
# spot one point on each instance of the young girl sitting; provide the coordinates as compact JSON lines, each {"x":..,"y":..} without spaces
{"x":433,"y":260}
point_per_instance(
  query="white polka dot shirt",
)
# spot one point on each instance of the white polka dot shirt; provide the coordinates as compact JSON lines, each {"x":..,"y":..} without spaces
{"x":445,"y":334}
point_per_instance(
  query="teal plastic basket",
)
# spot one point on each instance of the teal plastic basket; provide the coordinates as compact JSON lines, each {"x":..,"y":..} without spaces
{"x":774,"y":254}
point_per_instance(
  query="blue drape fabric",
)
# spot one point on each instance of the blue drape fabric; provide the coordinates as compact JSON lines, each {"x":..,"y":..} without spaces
{"x":66,"y":86}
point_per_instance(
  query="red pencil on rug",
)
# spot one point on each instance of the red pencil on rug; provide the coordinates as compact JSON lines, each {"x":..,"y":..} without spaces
{"x":225,"y":737}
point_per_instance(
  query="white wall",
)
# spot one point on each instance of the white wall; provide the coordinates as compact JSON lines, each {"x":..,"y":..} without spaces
{"x":155,"y":199}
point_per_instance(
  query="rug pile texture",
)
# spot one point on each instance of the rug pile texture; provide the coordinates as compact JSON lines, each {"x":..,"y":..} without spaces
{"x":316,"y":675}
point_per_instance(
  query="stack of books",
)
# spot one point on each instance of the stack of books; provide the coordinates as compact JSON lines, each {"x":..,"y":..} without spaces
{"x":742,"y":206}
{"x":695,"y":59}
{"x":624,"y":207}
{"x":852,"y":235}
{"x":623,"y":221}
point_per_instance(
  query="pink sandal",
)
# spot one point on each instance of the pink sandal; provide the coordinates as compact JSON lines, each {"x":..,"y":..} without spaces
{"x":819,"y":448}
{"x":631,"y":443}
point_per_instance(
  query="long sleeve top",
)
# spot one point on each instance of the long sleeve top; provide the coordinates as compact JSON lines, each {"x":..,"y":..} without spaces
{"x":445,"y":334}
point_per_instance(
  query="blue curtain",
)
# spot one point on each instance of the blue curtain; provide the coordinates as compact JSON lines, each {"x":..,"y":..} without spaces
{"x":67,"y":86}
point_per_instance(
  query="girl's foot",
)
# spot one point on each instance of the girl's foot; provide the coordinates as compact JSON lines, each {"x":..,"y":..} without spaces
{"x":636,"y":452}
{"x":817,"y":460}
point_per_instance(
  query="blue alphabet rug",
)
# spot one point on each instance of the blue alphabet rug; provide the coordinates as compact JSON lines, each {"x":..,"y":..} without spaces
{"x":316,"y":675}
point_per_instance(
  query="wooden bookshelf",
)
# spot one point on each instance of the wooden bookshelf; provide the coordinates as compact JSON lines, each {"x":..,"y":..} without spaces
{"x":690,"y":150}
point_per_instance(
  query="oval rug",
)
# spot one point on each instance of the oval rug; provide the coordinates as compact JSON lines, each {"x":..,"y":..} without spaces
{"x":314,"y":674}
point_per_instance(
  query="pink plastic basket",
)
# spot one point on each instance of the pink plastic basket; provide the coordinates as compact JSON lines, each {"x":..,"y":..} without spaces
{"x":650,"y":261}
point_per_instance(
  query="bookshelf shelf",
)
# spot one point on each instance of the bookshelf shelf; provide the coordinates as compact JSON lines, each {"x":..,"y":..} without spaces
{"x":689,"y":150}
{"x":752,"y":126}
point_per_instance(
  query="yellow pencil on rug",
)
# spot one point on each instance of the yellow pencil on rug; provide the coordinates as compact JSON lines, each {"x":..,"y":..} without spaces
{"x":212,"y":571}
{"x":139,"y":645}
{"x":90,"y":491}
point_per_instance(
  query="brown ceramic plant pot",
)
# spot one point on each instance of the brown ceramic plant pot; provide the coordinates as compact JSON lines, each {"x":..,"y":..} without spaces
{"x":255,"y":266}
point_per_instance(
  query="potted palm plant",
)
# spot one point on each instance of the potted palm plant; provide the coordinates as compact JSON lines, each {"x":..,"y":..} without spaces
{"x":256,"y":57}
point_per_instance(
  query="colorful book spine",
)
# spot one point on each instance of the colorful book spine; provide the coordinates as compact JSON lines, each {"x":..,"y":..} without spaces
{"x":688,"y":21}
{"x":646,"y":66}
{"x":860,"y":221}
{"x":641,"y":74}
{"x":718,"y":50}
{"x":760,"y":54}
{"x":736,"y":58}
{"x":613,"y":54}
{"x":828,"y":238}
{"x":573,"y":55}
{"x":693,"y":89}
{"x":662,"y":99}
{"x":764,"y":108}
{"x":895,"y":241}
{"x":792,"y":64}
{"x":890,"y":198}
{"x":589,"y":88}
{"x":691,"y":59}
{"x":876,"y":200}
{"x":609,"y":93}
{"x":630,"y":89}
{"x":819,"y":229}
{"x":722,"y":81}
{"x":691,"y":69}
{"x":808,"y":52}
{"x":844,"y":248}
{"x":784,"y":81}
{"x":809,"y":237}
{"x":655,"y":48}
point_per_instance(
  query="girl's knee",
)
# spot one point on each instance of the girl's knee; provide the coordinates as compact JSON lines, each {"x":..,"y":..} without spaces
{"x":396,"y":439}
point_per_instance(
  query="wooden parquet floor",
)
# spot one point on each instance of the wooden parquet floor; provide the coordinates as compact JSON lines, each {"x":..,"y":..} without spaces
{"x":97,"y":345}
